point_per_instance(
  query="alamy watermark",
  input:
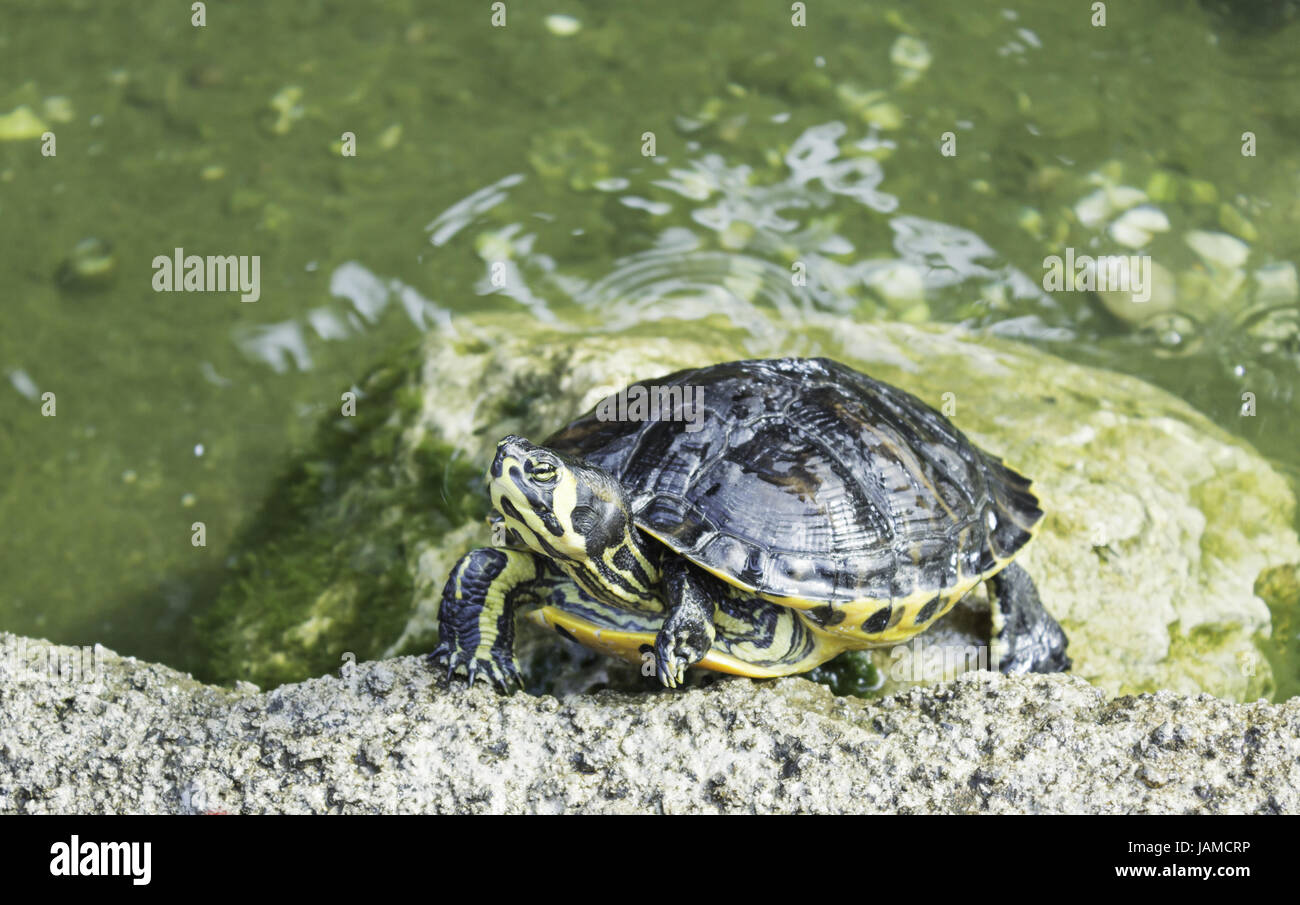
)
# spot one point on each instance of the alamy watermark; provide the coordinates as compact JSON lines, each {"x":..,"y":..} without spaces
{"x":75,"y":858}
{"x":179,"y":272}
{"x":1104,"y":273}
{"x":59,"y":665}
{"x":655,"y":403}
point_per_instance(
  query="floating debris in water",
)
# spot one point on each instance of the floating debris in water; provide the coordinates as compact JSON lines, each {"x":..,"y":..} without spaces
{"x":58,"y":109}
{"x":90,"y":266}
{"x":389,"y":138}
{"x":871,"y":107}
{"x":288,"y":109}
{"x":1160,"y":187}
{"x":911,"y":56}
{"x":910,"y":52}
{"x":570,"y":156}
{"x":563,"y":26}
{"x":1202,"y":192}
{"x":1031,"y":221}
{"x":23,"y":383}
{"x":1234,"y":222}
{"x":21,"y":124}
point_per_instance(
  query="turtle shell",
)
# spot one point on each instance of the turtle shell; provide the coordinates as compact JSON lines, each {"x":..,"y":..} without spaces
{"x":805,"y":479}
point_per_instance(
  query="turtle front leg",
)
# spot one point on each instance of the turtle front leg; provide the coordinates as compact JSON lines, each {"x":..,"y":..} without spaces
{"x":688,"y":632}
{"x":476,"y":622}
{"x":1025,"y":636}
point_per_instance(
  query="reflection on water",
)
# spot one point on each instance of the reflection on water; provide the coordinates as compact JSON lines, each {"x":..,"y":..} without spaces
{"x":286,"y":344}
{"x":721,"y":240}
{"x":718,"y":239}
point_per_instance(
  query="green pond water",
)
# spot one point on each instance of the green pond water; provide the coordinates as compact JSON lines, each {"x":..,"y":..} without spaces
{"x":526,"y":146}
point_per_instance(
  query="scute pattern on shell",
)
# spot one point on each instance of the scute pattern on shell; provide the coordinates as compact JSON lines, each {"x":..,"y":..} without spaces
{"x":812,"y":481}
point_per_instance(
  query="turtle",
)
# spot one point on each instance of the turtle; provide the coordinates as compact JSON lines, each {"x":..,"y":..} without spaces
{"x":756,"y":518}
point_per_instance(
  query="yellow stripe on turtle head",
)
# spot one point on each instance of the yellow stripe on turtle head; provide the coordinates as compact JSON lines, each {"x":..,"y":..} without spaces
{"x":536,"y":493}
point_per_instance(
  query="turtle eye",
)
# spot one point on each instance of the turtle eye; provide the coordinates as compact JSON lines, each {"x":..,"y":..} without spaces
{"x":543,"y":473}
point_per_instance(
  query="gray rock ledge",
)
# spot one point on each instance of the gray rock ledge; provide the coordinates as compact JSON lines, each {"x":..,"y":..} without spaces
{"x":112,"y":734}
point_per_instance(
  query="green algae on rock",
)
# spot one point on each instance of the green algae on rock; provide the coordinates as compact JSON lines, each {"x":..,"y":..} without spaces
{"x":1279,"y":587}
{"x":1158,"y":522}
{"x":326,"y":566}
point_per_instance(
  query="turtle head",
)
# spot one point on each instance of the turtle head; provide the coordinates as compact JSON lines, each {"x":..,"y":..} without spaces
{"x":560,"y":507}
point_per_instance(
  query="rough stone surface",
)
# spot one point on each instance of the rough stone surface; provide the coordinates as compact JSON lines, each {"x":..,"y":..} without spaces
{"x":125,"y":736}
{"x":1158,"y":526}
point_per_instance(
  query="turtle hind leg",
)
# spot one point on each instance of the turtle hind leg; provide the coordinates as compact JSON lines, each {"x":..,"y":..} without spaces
{"x":476,"y":620}
{"x":1025,"y":636}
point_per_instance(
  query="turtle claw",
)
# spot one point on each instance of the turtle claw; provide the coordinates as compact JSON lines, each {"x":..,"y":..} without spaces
{"x":501,"y":671}
{"x":674,"y":653}
{"x":447,"y":655}
{"x":666,"y":669}
{"x":667,"y":674}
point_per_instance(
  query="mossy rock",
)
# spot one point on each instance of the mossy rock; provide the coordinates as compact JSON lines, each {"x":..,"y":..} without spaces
{"x":1158,"y":522}
{"x":325,"y":568}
